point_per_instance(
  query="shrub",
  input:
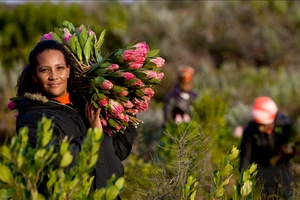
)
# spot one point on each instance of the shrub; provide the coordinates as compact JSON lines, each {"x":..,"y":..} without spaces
{"x":24,"y":168}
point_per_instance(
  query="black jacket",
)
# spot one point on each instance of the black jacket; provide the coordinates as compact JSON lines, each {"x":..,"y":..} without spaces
{"x":68,"y":122}
{"x":261,"y":147}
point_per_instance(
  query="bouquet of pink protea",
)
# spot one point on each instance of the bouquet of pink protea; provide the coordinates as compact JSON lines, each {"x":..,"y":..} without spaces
{"x":121,"y":83}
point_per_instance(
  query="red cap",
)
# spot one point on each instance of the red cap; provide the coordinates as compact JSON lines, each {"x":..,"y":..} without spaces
{"x":186,"y":73}
{"x":264,"y":110}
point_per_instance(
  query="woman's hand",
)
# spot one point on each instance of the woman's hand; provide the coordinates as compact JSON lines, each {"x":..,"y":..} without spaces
{"x":92,"y":116}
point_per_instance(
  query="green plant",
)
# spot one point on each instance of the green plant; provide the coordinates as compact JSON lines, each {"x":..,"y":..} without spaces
{"x":24,"y":169}
{"x":224,"y":173}
{"x":190,"y":188}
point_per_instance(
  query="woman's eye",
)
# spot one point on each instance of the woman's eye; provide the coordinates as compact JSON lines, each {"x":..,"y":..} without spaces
{"x":61,"y":67}
{"x":44,"y":70}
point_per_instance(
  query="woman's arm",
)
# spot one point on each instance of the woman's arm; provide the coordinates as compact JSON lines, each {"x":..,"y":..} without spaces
{"x":122,"y":142}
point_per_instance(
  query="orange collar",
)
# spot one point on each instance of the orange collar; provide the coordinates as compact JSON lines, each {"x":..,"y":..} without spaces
{"x":64,"y":99}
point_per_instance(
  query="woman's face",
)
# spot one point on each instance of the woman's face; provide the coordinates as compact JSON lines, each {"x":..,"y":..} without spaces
{"x":52,"y":73}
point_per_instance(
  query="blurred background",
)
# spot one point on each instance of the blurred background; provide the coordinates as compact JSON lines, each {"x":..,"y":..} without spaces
{"x":239,"y":50}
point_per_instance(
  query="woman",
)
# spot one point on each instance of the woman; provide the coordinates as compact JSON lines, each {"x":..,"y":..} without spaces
{"x":44,"y":86}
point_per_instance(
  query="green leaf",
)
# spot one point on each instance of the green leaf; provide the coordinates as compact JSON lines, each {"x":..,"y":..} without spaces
{"x":117,"y":88}
{"x":120,"y":183}
{"x":235,"y":195}
{"x":58,"y":32}
{"x":6,"y":152}
{"x":47,"y":135}
{"x":20,"y":160}
{"x":246,"y":175}
{"x":233,"y":153}
{"x":37,"y":196}
{"x":93,"y":160}
{"x":88,"y":185}
{"x":226,"y":181}
{"x":87,"y":48}
{"x":7,"y":193}
{"x":118,"y":52}
{"x":228,"y":168}
{"x":139,"y":74}
{"x":99,"y":194}
{"x":63,"y":148}
{"x":66,"y":159}
{"x":112,"y":122}
{"x":99,"y":80}
{"x":98,"y":134}
{"x":112,"y":192}
{"x":100,"y":40}
{"x":52,"y":180}
{"x":99,"y":71}
{"x":246,"y":188}
{"x":78,"y":51}
{"x":56,"y":38}
{"x":68,"y":25}
{"x":95,"y":104}
{"x":252,"y":168}
{"x":72,"y":43}
{"x":5,"y":175}
{"x":83,"y":36}
{"x":153,"y":52}
{"x":220,"y":192}
{"x":39,"y":156}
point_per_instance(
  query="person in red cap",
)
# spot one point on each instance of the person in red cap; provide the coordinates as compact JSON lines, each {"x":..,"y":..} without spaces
{"x":177,"y":103}
{"x":266,"y":142}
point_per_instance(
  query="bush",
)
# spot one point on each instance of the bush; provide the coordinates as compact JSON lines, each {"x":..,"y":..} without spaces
{"x":25,"y":169}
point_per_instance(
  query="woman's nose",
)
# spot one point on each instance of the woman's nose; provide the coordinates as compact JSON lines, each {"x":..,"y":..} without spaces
{"x":53,"y":75}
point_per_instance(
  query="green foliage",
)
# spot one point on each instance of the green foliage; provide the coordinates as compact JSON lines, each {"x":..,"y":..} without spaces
{"x":190,"y":188}
{"x":224,"y":173}
{"x":26,"y":169}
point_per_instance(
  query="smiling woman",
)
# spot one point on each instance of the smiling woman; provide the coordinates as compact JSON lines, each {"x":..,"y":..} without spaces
{"x":44,"y":88}
{"x":52,"y":73}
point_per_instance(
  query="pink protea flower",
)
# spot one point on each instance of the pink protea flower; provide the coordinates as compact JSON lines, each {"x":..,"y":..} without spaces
{"x":118,"y":127}
{"x":103,"y":102}
{"x":121,"y":116}
{"x":67,"y":35}
{"x":112,"y":67}
{"x":103,"y":122}
{"x":124,"y":93}
{"x":91,"y":32}
{"x":135,"y":65}
{"x":128,"y":104}
{"x":11,"y":105}
{"x":132,"y":111}
{"x":138,"y":83}
{"x":128,"y":55}
{"x":127,"y":75}
{"x":106,"y":85}
{"x":147,"y":98}
{"x":47,"y":36}
{"x":148,"y":91}
{"x":108,"y":131}
{"x":150,"y":74}
{"x":142,"y":47}
{"x":116,"y":108}
{"x":126,"y":118}
{"x":158,"y":61}
{"x":160,"y":75}
{"x":140,"y":105}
